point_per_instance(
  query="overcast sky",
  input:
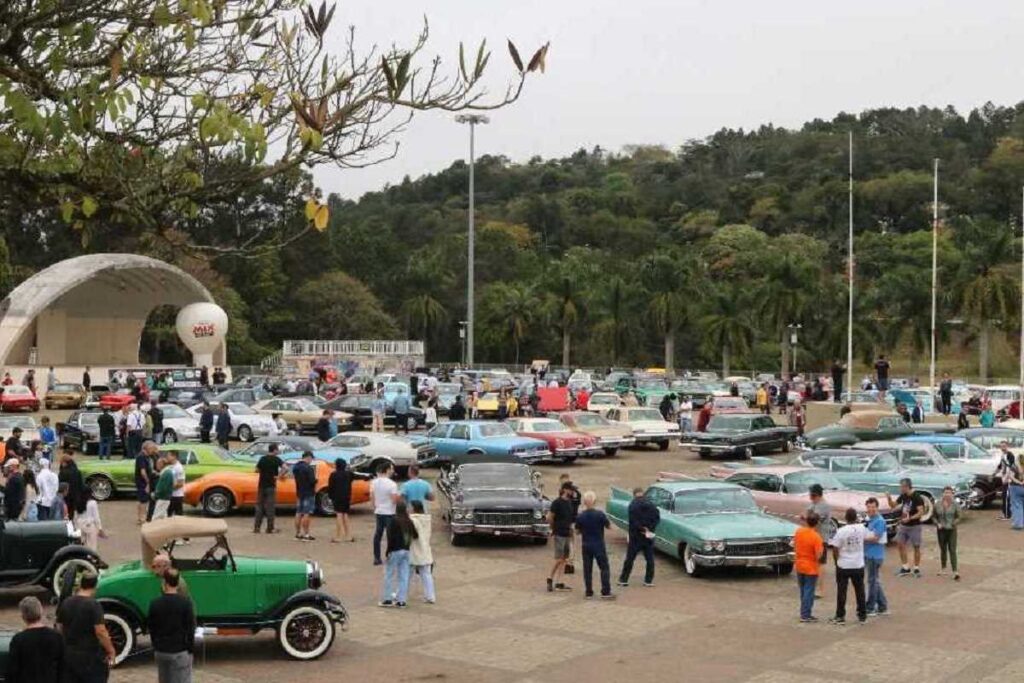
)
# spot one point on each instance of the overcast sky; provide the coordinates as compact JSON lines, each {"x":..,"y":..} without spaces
{"x":665,"y":71}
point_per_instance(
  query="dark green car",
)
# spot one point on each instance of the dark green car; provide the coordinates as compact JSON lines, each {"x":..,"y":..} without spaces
{"x":868,"y":425}
{"x":233,"y":596}
{"x":42,"y":553}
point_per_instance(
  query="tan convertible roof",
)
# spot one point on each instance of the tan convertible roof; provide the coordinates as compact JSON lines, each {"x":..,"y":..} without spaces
{"x":157,"y":534}
{"x":865,"y":419}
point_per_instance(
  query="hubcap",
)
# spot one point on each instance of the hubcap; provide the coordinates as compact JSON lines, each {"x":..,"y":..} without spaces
{"x":101,"y":488}
{"x":217,"y":502}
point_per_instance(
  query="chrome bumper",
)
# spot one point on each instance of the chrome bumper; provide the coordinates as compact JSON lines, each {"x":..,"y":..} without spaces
{"x":538,"y":529}
{"x":617,"y":442}
{"x":662,"y":436}
{"x":743,"y":561}
{"x":578,"y":452}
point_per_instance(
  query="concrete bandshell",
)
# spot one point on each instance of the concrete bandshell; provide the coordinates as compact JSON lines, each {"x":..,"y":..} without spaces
{"x":90,"y":310}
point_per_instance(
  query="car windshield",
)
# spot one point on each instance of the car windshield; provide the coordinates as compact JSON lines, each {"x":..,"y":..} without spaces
{"x":172,"y":411}
{"x":656,"y":384}
{"x":8,"y":423}
{"x":1003,"y":394}
{"x":307,"y":406}
{"x":89,"y":419}
{"x":729,"y":422}
{"x":591,"y":420}
{"x":489,"y":478}
{"x":799,"y":482}
{"x":67,"y":388}
{"x":885,"y":462}
{"x":714,"y":501}
{"x":544,"y":426}
{"x":644,"y":414}
{"x":498,"y":429}
{"x":17,"y":391}
{"x":730,"y":402}
{"x":972,"y":451}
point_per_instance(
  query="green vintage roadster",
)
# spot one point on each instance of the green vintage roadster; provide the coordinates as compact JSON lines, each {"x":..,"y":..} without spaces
{"x":233,"y":596}
{"x":710,"y":524}
{"x":108,"y":478}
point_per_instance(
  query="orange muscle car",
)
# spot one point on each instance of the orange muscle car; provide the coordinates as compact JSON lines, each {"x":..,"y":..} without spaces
{"x":220,"y":492}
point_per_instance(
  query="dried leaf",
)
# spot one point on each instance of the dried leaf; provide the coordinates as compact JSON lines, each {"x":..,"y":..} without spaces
{"x":402,"y":76}
{"x":388,"y":75}
{"x":116,"y":62}
{"x":311,"y":207}
{"x":538,"y":59}
{"x":320,"y":221}
{"x":462,"y":62}
{"x":516,"y":59}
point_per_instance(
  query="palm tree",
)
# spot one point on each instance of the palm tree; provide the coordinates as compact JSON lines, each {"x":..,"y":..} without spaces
{"x":616,"y":325}
{"x":423,"y":314}
{"x":988,"y":288}
{"x":514,"y":307}
{"x":566,"y":301}
{"x":785,"y":299}
{"x":727,"y":327}
{"x":666,"y":279}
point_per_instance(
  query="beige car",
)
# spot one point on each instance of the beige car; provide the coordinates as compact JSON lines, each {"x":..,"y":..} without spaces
{"x":613,"y":435}
{"x":65,"y":396}
{"x":300,"y":413}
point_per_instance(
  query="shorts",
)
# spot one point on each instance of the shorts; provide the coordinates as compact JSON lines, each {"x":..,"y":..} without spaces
{"x":305,"y":505}
{"x":562,"y":546}
{"x":341,"y":506}
{"x":142,"y":494}
{"x":909,"y":535}
{"x":883,"y":384}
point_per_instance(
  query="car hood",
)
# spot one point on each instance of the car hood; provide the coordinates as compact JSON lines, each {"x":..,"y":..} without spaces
{"x":826,"y":431}
{"x":511,"y":442}
{"x":725,"y":526}
{"x":650,"y":424}
{"x":840,"y":501}
{"x":264,"y":565}
{"x":610,"y":430}
{"x":500,"y":500}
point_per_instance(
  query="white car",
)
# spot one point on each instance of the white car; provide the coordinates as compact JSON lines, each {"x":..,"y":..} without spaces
{"x":246,"y":423}
{"x":402,"y":451}
{"x":9,"y":422}
{"x":178,"y":424}
{"x":647,"y":424}
{"x":602,"y":401}
{"x":1002,"y":395}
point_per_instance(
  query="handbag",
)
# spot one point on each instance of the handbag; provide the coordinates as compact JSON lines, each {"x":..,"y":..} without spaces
{"x":569,"y":568}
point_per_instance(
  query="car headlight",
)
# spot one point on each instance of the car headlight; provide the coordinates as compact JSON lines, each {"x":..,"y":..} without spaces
{"x":538,"y":514}
{"x":314,"y":575}
{"x":461,"y":513}
{"x":791,"y":541}
{"x":714,"y":546}
{"x":360,"y":460}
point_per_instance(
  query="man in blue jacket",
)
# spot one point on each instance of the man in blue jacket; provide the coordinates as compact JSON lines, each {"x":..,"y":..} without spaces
{"x":643,"y":520}
{"x":223,"y":425}
{"x":401,"y":406}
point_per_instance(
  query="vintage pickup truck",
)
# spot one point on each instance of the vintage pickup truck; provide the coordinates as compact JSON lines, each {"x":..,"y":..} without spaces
{"x":742,"y":435}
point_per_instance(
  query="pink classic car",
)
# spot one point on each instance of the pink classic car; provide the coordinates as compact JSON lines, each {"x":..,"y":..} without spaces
{"x":782,"y":490}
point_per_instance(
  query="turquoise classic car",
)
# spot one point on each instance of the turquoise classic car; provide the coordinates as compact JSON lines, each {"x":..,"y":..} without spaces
{"x":710,"y":524}
{"x":472,"y":441}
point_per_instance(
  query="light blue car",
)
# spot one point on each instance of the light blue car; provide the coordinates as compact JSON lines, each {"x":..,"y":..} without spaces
{"x":472,"y":441}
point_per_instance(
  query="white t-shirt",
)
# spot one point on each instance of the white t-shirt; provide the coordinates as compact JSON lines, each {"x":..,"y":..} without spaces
{"x":850,"y":541}
{"x":382,"y":489}
{"x":179,"y":476}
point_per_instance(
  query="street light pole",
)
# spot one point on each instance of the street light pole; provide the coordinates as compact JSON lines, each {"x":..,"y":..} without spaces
{"x":472,"y":120}
{"x":935,"y":270}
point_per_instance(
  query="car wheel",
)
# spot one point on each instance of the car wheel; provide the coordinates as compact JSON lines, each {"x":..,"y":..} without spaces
{"x":568,"y":461}
{"x":324,"y":504}
{"x":663,"y":445}
{"x":690,"y":563}
{"x":983,"y":498}
{"x":784,"y":569}
{"x":170,"y":436}
{"x":217,"y":502}
{"x":929,"y":508}
{"x":611,"y":451}
{"x":64,"y":580}
{"x":306,"y":632}
{"x":102,"y":488}
{"x":122,"y":634}
{"x":245,"y":433}
{"x":49,"y":406}
{"x":748,"y":452}
{"x":787,"y":445}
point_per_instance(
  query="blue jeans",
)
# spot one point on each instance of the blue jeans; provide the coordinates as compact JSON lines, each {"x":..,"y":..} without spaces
{"x":685,"y":424}
{"x":427,"y":579}
{"x":397,"y":567}
{"x":876,"y":595}
{"x":807,"y":582}
{"x":1017,"y":505}
{"x":378,"y":534}
{"x":106,"y":446}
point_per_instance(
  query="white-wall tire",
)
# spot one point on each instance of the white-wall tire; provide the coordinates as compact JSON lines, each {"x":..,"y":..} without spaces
{"x":306,"y":632}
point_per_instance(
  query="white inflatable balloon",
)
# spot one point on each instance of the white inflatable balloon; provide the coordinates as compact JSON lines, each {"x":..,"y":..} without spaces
{"x":202,"y":327}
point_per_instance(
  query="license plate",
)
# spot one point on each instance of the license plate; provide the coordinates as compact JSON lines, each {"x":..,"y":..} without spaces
{"x":758,"y":563}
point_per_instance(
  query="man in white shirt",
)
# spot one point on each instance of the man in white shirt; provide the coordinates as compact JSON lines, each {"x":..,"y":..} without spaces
{"x":383,"y":496}
{"x":176,"y":506}
{"x":848,"y":552}
{"x":135,"y":422}
{"x":47,"y":483}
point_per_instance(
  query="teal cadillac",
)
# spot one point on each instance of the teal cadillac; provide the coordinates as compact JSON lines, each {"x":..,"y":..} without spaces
{"x":710,"y":524}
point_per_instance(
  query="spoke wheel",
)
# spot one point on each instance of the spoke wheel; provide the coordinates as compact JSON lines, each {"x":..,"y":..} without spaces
{"x":306,"y":632}
{"x":122,"y":635}
{"x":64,"y":581}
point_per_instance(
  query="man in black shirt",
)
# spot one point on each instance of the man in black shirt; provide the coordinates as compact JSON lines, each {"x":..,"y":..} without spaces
{"x":157,"y":416}
{"x":219,"y":378}
{"x":323,"y":426}
{"x":270,"y":468}
{"x":591,"y":524}
{"x":305,"y":491}
{"x":912,"y":508}
{"x":643,"y":519}
{"x":37,"y":653}
{"x":172,"y":629}
{"x":14,"y":490}
{"x":88,"y":654}
{"x":561,"y":517}
{"x":13,"y":448}
{"x":86,"y":379}
{"x":838,"y":370}
{"x":946,"y":394}
{"x":882,"y":375}
{"x":205,"y":423}
{"x":457,"y":411}
{"x":108,"y":432}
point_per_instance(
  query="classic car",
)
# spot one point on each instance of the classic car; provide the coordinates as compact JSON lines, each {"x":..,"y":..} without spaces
{"x":219,"y":492}
{"x":603,"y":401}
{"x":782,"y":490}
{"x":1002,"y":395}
{"x":246,"y":395}
{"x":116,"y":400}
{"x":378,"y":447}
{"x":868,"y":425}
{"x":42,"y":554}
{"x":868,"y":399}
{"x":963,"y":454}
{"x":921,"y":455}
{"x":492,"y":499}
{"x":82,"y":432}
{"x":487,"y":404}
{"x":186,"y":397}
{"x":565,"y":445}
{"x":472,"y":441}
{"x":731,"y":405}
{"x":16,"y":397}
{"x":744,"y":435}
{"x":108,"y":478}
{"x":909,"y":397}
{"x":446,"y":393}
{"x":610,"y":435}
{"x":246,"y":423}
{"x":360,"y":407}
{"x":989,"y":438}
{"x":291,"y":447}
{"x":647,"y":424}
{"x":696,"y":392}
{"x":301,"y":415}
{"x":231,"y":595}
{"x":178,"y":424}
{"x":26,"y":423}
{"x":65,"y":396}
{"x":648,"y":390}
{"x":711,"y":524}
{"x":96,"y":392}
{"x":881,"y":471}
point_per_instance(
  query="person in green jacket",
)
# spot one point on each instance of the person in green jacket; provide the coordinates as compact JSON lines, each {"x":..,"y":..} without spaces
{"x":947,"y":517}
{"x":164,"y":489}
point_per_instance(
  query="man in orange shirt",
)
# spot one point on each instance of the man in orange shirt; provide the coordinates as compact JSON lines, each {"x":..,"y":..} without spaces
{"x":808,"y":546}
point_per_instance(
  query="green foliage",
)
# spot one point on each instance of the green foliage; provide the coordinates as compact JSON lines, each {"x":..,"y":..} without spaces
{"x":337,"y":306}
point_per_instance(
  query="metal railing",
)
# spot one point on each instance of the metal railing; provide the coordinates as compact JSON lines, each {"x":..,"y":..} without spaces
{"x":348,"y":347}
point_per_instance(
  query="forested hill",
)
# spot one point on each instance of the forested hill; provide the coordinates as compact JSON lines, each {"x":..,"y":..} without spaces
{"x":716,"y":245}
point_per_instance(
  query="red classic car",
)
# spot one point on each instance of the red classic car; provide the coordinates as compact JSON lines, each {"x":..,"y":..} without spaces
{"x":565,"y":445}
{"x":117,"y":400}
{"x":18,"y":397}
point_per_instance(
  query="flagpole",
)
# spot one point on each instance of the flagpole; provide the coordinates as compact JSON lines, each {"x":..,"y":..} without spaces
{"x":849,"y":264}
{"x":935,"y":269}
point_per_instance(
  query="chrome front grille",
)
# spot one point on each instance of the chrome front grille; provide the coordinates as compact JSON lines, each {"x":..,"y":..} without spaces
{"x":756,"y":548}
{"x":502,"y":517}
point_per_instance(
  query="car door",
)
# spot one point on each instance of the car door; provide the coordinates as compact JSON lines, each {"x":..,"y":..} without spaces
{"x":438,"y":437}
{"x":662,"y":499}
{"x":767,"y":492}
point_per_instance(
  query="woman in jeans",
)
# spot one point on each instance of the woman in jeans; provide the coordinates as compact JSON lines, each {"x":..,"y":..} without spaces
{"x":401,"y":533}
{"x":947,"y":517}
{"x":1015,"y":488}
{"x":420,"y":556}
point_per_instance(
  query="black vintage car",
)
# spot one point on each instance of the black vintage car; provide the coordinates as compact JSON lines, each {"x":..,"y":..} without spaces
{"x":360,"y":407}
{"x":493,"y":499}
{"x":740,"y":435}
{"x":81,"y":431}
{"x":42,"y":553}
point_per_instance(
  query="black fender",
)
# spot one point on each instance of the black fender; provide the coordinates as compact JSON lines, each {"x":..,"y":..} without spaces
{"x":66,"y":553}
{"x":309,"y":596}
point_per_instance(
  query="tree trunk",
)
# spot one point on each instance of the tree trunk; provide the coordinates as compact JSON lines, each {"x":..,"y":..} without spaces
{"x":784,"y":349}
{"x":565,"y":349}
{"x":983,"y":337}
{"x":725,"y":361}
{"x":913,"y":363}
{"x":670,"y":351}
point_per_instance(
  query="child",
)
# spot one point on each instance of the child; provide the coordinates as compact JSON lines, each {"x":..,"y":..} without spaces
{"x":89,"y":523}
{"x":420,"y":556}
{"x":59,"y":509}
{"x":809,"y":547}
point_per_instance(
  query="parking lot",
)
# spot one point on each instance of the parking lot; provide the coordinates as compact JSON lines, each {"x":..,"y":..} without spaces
{"x":494,"y":621}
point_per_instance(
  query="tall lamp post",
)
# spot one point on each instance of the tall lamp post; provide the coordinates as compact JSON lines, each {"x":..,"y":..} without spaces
{"x":794,"y":341}
{"x":462,"y":340}
{"x":472,"y":120}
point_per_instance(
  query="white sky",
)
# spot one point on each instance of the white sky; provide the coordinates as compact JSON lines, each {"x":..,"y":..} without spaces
{"x":663,"y":71}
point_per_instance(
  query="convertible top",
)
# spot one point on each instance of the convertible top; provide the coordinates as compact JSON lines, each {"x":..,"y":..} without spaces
{"x":865,"y":419}
{"x":158,"y":533}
